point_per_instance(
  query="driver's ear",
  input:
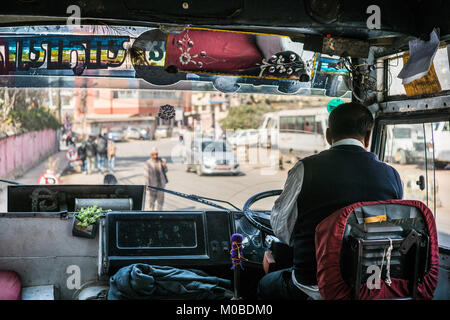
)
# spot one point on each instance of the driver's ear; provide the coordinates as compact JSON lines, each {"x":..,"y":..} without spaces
{"x":367,"y":139}
{"x":328,"y":136}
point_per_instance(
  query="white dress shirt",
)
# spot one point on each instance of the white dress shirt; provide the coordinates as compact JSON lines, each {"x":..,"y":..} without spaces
{"x":284,"y":212}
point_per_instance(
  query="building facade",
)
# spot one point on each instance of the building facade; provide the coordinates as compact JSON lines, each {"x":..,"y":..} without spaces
{"x":98,"y":110}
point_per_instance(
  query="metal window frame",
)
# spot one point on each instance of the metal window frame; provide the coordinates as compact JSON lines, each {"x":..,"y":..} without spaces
{"x":379,"y":134}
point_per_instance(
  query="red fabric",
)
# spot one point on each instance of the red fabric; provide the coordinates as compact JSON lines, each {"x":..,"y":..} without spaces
{"x":212,"y":51}
{"x":328,"y":239}
{"x":398,"y":288}
{"x":10,"y":286}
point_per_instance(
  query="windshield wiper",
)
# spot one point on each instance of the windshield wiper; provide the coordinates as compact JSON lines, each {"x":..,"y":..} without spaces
{"x":12,"y":182}
{"x":197,"y":198}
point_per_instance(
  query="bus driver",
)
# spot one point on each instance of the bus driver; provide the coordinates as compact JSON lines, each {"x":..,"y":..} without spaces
{"x":319,"y":185}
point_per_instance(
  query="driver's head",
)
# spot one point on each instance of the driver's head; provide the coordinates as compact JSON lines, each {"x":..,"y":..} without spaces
{"x":350,"y":120}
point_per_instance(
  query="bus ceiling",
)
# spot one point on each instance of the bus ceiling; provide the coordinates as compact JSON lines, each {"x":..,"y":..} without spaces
{"x":375,"y":34}
{"x":380,"y":21}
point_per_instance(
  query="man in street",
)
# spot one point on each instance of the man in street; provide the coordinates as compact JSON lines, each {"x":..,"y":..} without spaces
{"x":155,"y":176}
{"x":91,"y":154}
{"x":319,"y":185}
{"x":111,"y":155}
{"x":101,"y":147}
{"x":82,"y":156}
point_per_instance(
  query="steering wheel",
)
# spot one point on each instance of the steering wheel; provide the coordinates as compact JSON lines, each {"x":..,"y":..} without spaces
{"x":253,"y":216}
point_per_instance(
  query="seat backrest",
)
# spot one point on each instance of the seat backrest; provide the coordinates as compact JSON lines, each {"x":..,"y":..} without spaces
{"x":357,"y":237}
{"x":10,"y":285}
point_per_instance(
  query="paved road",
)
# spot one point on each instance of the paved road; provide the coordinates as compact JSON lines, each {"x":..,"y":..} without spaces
{"x":236,"y":189}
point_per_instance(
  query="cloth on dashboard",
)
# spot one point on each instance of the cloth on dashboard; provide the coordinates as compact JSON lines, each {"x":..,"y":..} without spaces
{"x":142,"y":281}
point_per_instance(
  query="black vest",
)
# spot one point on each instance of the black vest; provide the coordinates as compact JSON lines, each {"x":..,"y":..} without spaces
{"x":334,"y":179}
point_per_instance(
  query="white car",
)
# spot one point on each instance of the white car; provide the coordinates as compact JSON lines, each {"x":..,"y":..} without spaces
{"x":162,"y":132}
{"x":211,"y":157}
{"x":132,"y":133}
{"x":116,"y":134}
{"x":248,"y":137}
{"x":146,"y":134}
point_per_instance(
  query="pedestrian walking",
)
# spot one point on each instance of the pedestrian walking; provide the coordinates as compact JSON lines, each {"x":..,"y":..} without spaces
{"x":102,"y":149}
{"x":69,"y":141}
{"x":111,"y":155}
{"x":82,"y":156}
{"x":91,"y":154}
{"x":155,"y":176}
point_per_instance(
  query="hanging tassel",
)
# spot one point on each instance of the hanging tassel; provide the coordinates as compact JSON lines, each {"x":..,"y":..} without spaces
{"x":388,"y":263}
{"x":236,"y":250}
{"x":387,"y":254}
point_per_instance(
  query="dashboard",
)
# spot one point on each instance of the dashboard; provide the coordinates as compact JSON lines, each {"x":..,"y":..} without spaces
{"x":177,"y":238}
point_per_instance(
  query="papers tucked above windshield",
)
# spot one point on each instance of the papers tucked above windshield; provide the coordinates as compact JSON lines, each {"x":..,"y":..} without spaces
{"x":422,"y":54}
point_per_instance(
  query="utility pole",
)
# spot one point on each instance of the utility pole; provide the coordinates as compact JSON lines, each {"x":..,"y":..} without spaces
{"x":83,"y":106}
{"x":58,"y":104}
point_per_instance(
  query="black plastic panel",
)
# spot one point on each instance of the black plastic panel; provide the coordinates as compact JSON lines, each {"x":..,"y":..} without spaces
{"x":156,"y":234}
{"x":173,"y":238}
{"x":54,"y":198}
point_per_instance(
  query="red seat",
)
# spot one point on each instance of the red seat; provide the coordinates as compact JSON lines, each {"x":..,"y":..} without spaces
{"x":331,"y":232}
{"x":10,"y":285}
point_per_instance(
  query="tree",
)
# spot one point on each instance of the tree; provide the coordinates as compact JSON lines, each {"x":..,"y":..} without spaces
{"x":23,"y":110}
{"x":245,"y":117}
{"x":7,"y":100}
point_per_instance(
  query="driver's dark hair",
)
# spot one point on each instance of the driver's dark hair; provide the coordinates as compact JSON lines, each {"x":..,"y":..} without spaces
{"x":350,"y":120}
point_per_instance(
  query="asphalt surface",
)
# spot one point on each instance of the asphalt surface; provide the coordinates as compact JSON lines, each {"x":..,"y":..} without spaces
{"x":131,"y":156}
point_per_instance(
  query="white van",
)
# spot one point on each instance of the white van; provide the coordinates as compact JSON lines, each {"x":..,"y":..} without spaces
{"x":248,"y":137}
{"x":405,"y":144}
{"x":299,"y":131}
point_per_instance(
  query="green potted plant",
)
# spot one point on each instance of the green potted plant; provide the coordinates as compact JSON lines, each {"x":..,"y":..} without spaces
{"x":84,"y":222}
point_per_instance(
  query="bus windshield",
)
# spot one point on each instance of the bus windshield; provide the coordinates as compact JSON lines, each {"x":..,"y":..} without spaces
{"x":107,"y":116}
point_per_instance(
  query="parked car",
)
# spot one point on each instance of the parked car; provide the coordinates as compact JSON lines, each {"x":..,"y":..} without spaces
{"x":116,"y":134}
{"x":162,"y":132}
{"x":133,"y":133}
{"x":146,"y":134}
{"x":245,"y":137}
{"x":211,"y":157}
